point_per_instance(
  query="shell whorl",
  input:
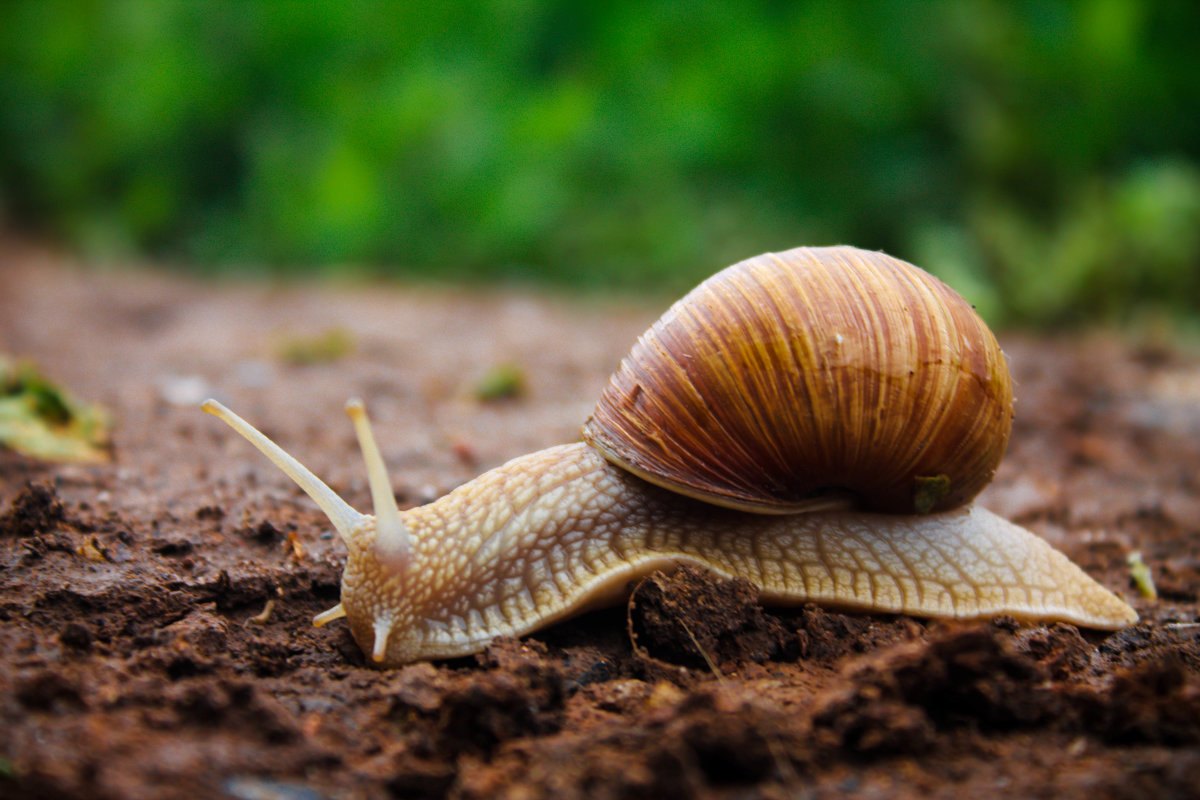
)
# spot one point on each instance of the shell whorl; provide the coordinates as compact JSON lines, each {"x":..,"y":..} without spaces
{"x":793,"y":375}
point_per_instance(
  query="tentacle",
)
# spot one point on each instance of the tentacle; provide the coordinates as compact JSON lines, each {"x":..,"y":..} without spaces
{"x":392,"y":539}
{"x":329,"y":615}
{"x":344,"y":518}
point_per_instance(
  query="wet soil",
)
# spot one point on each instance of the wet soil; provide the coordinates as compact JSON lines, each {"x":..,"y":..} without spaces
{"x":155,"y":636}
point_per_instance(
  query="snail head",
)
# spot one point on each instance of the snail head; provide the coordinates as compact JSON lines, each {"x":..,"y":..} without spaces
{"x":381,"y":550}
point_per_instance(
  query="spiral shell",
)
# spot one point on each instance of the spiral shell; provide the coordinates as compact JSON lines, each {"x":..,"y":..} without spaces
{"x":790,"y":377}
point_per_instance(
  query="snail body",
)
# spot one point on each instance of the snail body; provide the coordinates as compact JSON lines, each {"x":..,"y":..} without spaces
{"x":756,"y":366}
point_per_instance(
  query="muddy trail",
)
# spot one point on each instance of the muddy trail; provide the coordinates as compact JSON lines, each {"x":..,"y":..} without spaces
{"x":155,"y":610}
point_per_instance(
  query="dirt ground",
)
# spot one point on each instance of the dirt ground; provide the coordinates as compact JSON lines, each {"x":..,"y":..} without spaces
{"x":155,"y":636}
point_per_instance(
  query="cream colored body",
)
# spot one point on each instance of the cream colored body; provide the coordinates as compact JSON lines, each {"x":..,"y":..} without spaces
{"x":561,"y":530}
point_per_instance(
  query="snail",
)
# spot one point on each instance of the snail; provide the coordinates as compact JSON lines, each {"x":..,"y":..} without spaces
{"x":817,"y":421}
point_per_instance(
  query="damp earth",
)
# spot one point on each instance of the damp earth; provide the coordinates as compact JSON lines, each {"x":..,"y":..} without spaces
{"x":155,"y":610}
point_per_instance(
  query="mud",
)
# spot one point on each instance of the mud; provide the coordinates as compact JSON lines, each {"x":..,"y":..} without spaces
{"x":155,"y":636}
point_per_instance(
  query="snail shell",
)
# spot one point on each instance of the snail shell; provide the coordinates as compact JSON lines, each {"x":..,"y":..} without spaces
{"x":793,"y":376}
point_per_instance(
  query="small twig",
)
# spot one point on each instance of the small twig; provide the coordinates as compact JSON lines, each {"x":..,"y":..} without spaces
{"x":712,"y":665}
{"x":261,"y":617}
{"x":297,"y":546}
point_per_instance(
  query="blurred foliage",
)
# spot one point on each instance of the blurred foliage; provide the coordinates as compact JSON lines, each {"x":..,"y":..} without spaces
{"x":1041,"y":156}
{"x":326,"y":346}
{"x":501,"y":382}
{"x":39,"y":419}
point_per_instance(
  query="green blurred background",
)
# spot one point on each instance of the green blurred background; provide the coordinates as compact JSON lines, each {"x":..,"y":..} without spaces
{"x":1044,"y":157}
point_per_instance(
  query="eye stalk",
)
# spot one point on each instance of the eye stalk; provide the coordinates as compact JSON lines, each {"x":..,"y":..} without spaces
{"x":345,"y":519}
{"x":393,"y":543}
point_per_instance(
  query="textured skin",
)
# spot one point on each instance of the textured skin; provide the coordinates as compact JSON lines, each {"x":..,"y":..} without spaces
{"x":561,"y":530}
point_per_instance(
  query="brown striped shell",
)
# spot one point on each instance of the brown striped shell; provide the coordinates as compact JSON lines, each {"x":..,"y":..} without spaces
{"x":790,"y":377}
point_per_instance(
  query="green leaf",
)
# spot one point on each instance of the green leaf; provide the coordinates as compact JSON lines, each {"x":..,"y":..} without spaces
{"x":39,"y":419}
